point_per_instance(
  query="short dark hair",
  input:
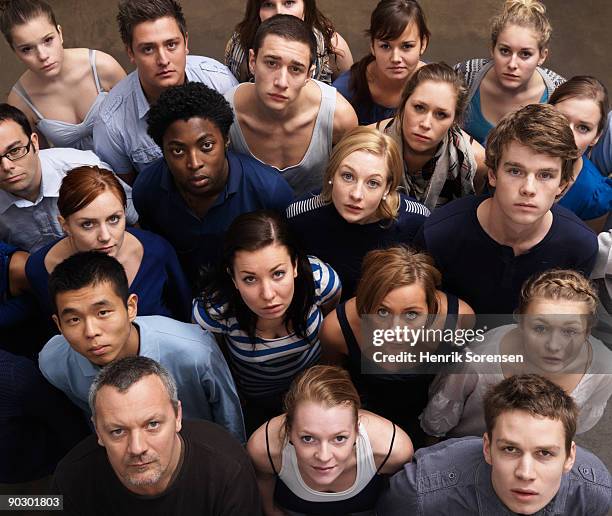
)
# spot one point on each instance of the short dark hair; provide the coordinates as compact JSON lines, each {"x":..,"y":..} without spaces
{"x":87,"y":269}
{"x":8,"y":112}
{"x":287,"y":27}
{"x":20,"y":12}
{"x":133,"y":12}
{"x":122,"y":374}
{"x":535,"y":395}
{"x":190,"y":100}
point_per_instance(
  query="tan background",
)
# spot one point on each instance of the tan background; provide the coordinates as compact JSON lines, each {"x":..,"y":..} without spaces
{"x":582,"y":37}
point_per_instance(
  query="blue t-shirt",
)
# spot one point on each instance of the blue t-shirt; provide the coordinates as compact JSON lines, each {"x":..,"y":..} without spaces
{"x":160,"y":283}
{"x":590,"y":196}
{"x":250,"y":186}
{"x":367,"y":113}
{"x":325,"y":234}
{"x":476,"y":125}
{"x":487,"y":275}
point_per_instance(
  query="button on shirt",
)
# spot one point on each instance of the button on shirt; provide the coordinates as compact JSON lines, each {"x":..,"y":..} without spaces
{"x":205,"y":386}
{"x":250,"y":186}
{"x":120,"y":132}
{"x":31,"y":225}
{"x":452,"y":477}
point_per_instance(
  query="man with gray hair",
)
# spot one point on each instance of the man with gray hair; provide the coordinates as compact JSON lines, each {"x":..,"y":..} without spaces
{"x":150,"y":461}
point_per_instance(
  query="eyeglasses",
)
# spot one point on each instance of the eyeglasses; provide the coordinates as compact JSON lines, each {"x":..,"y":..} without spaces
{"x":17,"y":152}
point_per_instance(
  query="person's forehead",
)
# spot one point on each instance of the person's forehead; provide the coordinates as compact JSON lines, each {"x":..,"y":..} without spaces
{"x":144,"y":397}
{"x":517,"y":152}
{"x":10,"y":130}
{"x":527,"y":430}
{"x":192,"y":127}
{"x":286,"y":49}
{"x":320,"y":418}
{"x":153,"y":30}
{"x":83,"y":298}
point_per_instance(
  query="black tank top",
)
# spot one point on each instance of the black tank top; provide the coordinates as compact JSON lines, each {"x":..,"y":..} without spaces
{"x":397,"y":397}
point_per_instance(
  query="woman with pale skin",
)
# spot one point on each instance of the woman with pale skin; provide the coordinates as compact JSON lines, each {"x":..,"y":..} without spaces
{"x":333,"y":53}
{"x":359,"y":207}
{"x":584,"y":102}
{"x":556,"y":312}
{"x":265,"y":302}
{"x":62,"y":89}
{"x":398,"y":38}
{"x":441,"y":162}
{"x":92,"y":205}
{"x":325,"y":455}
{"x":398,"y":286}
{"x":512,"y":77}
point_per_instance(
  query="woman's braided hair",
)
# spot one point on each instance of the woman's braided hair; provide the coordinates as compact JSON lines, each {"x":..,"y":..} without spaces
{"x":559,"y":284}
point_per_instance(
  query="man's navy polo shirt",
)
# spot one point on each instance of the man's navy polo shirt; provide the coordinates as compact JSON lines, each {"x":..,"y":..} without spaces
{"x":250,"y":186}
{"x":486,"y":274}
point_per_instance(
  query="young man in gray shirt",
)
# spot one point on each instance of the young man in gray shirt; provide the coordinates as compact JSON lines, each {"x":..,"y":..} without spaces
{"x":526,"y":462}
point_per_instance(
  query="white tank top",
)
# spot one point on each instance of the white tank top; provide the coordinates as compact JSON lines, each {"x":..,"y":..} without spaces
{"x":366,"y":469}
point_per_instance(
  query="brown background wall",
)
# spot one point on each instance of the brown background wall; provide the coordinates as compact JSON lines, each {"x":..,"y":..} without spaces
{"x":582,"y":39}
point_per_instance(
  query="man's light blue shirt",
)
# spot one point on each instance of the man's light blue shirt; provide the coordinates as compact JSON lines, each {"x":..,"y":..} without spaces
{"x":32,"y":225}
{"x":120,"y":131}
{"x":191,"y":355}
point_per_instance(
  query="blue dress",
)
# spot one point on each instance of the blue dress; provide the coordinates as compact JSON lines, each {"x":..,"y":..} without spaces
{"x":590,"y":196}
{"x":367,"y":112}
{"x":160,"y":283}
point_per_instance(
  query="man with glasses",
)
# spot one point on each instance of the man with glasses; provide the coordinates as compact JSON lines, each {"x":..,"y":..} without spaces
{"x":30,"y":180}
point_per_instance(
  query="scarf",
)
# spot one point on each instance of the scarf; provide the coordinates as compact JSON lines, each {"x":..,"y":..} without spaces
{"x":454,"y":161}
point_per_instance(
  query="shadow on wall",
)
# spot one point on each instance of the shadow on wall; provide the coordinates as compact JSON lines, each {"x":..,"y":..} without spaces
{"x":580,"y":44}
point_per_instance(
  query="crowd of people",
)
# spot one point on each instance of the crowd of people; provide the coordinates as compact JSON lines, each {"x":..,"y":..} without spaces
{"x":198,"y":260}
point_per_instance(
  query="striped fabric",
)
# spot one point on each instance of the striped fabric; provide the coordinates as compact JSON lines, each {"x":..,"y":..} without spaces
{"x":269,"y":366}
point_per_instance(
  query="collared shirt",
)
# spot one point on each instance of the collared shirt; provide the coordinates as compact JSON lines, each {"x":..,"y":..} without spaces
{"x":205,"y":386}
{"x":31,"y":225}
{"x":452,"y":477}
{"x":250,"y":186}
{"x":120,"y":132}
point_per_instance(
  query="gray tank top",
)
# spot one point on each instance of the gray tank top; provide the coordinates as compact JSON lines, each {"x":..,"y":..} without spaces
{"x":307,"y":175}
{"x":64,"y":134}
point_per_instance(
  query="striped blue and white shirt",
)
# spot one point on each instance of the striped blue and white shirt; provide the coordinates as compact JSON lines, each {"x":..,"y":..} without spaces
{"x":268,"y":366}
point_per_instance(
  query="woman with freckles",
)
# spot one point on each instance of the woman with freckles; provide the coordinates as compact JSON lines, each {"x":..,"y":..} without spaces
{"x":359,"y":207}
{"x":556,"y":311}
{"x":441,"y":162}
{"x":266,"y":302}
{"x":512,"y":77}
{"x":398,"y":38}
{"x":62,"y":89}
{"x":92,"y":205}
{"x":325,"y":455}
